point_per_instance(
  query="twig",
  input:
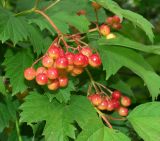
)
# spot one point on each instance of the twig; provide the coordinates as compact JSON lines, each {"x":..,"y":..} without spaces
{"x":51,"y":5}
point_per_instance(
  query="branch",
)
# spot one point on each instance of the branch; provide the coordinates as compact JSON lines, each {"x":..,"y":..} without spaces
{"x":51,"y":5}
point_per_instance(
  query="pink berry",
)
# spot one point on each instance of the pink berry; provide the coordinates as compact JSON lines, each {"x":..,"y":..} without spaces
{"x":47,"y":61}
{"x":63,"y":81}
{"x":116,"y":94}
{"x":125,"y":101}
{"x":122,"y":111}
{"x":70,"y":58}
{"x":86,"y":51}
{"x":29,"y":73}
{"x":61,"y":62}
{"x":103,"y":105}
{"x":41,"y":79}
{"x":52,"y":73}
{"x":96,"y":99}
{"x":41,"y":70}
{"x":95,"y":60}
{"x":53,"y":85}
{"x":104,"y":29}
{"x":79,"y":59}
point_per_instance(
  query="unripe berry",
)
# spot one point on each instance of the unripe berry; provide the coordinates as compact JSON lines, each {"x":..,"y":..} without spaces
{"x":63,"y":81}
{"x":52,"y":73}
{"x":86,"y":51}
{"x":29,"y":73}
{"x":41,"y":70}
{"x":70,"y":58}
{"x":79,"y":59}
{"x":41,"y":79}
{"x":95,"y":60}
{"x":96,"y":99}
{"x":125,"y":101}
{"x":103,"y":105}
{"x":116,"y":19}
{"x":116,"y":95}
{"x":110,"y":36}
{"x":47,"y":61}
{"x":53,"y":85}
{"x":96,"y":5}
{"x":104,"y":29}
{"x":122,"y":111}
{"x":61,"y":62}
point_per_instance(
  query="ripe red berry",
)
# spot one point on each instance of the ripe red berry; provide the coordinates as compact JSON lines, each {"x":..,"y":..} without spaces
{"x":125,"y":101}
{"x":81,"y":12}
{"x":41,"y":70}
{"x":86,"y":62}
{"x":122,"y":111}
{"x":63,"y":81}
{"x":116,"y":103}
{"x":117,"y":26}
{"x":95,"y":60}
{"x":41,"y":79}
{"x":116,"y":19}
{"x":109,"y":20}
{"x":53,"y":85}
{"x":86,"y":51}
{"x":96,"y":5}
{"x":79,"y":59}
{"x":104,"y":29}
{"x":52,"y":73}
{"x":61,"y":62}
{"x":103,"y":105}
{"x":96,"y":99}
{"x":54,"y":51}
{"x":116,"y":94}
{"x":110,"y":106}
{"x":47,"y":61}
{"x":70,"y":57}
{"x":29,"y":73}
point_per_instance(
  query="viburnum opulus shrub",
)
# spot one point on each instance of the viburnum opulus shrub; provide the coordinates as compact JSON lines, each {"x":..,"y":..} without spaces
{"x":75,"y":71}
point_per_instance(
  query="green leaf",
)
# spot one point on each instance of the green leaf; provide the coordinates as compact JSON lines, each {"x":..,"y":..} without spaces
{"x":12,"y":28}
{"x":58,"y":122}
{"x":2,"y":86}
{"x":15,"y":64}
{"x":145,"y":119}
{"x":125,"y":42}
{"x":135,"y":18}
{"x":7,"y":112}
{"x":114,"y":58}
{"x":96,"y":131}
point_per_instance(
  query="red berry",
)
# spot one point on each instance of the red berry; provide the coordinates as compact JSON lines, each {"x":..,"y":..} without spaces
{"x":41,"y":79}
{"x":29,"y":73}
{"x":110,"y":106}
{"x":79,"y":59}
{"x":117,"y":26}
{"x":70,"y":68}
{"x":116,"y":19}
{"x":86,"y":62}
{"x":41,"y":70}
{"x":70,"y":57}
{"x":86,"y":51}
{"x":109,"y":20}
{"x":47,"y":61}
{"x":61,"y":62}
{"x":61,"y":53}
{"x":116,"y":103}
{"x":103,"y":105}
{"x":81,"y":12}
{"x":96,"y":99}
{"x":125,"y":101}
{"x":104,"y":29}
{"x":96,"y":5}
{"x":77,"y":70}
{"x":95,"y":60}
{"x":53,"y":85}
{"x":63,"y":81}
{"x":116,"y":95}
{"x":54,"y":51}
{"x":122,"y":111}
{"x":52,"y":73}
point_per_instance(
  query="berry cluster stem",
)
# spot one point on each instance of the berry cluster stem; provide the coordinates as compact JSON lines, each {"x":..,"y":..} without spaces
{"x":18,"y":131}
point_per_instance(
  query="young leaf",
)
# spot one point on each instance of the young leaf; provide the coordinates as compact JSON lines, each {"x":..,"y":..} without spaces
{"x":125,"y":42}
{"x":15,"y":64}
{"x":58,"y":122}
{"x":12,"y":28}
{"x":135,"y":18}
{"x":145,"y":119}
{"x":114,"y":58}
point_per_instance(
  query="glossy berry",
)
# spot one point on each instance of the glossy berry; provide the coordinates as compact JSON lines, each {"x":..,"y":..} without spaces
{"x":116,"y":95}
{"x":95,"y":60}
{"x":41,"y":70}
{"x":109,"y":20}
{"x":54,"y":51}
{"x":104,"y":29}
{"x":53,"y":85}
{"x":70,"y":57}
{"x":122,"y":111}
{"x":86,"y":51}
{"x":110,"y":106}
{"x":79,"y":59}
{"x":116,"y":103}
{"x":96,"y":5}
{"x":117,"y":26}
{"x":41,"y":79}
{"x":29,"y":73}
{"x":52,"y":73}
{"x":86,"y":62}
{"x":110,"y":36}
{"x":63,"y":81}
{"x":125,"y":101}
{"x":61,"y":62}
{"x":47,"y":61}
{"x":116,"y":19}
{"x":103,"y":105}
{"x":96,"y":99}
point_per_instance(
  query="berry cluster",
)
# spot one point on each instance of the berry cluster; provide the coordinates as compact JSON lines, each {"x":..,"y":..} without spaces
{"x":117,"y":102}
{"x":57,"y":64}
{"x":105,"y":29}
